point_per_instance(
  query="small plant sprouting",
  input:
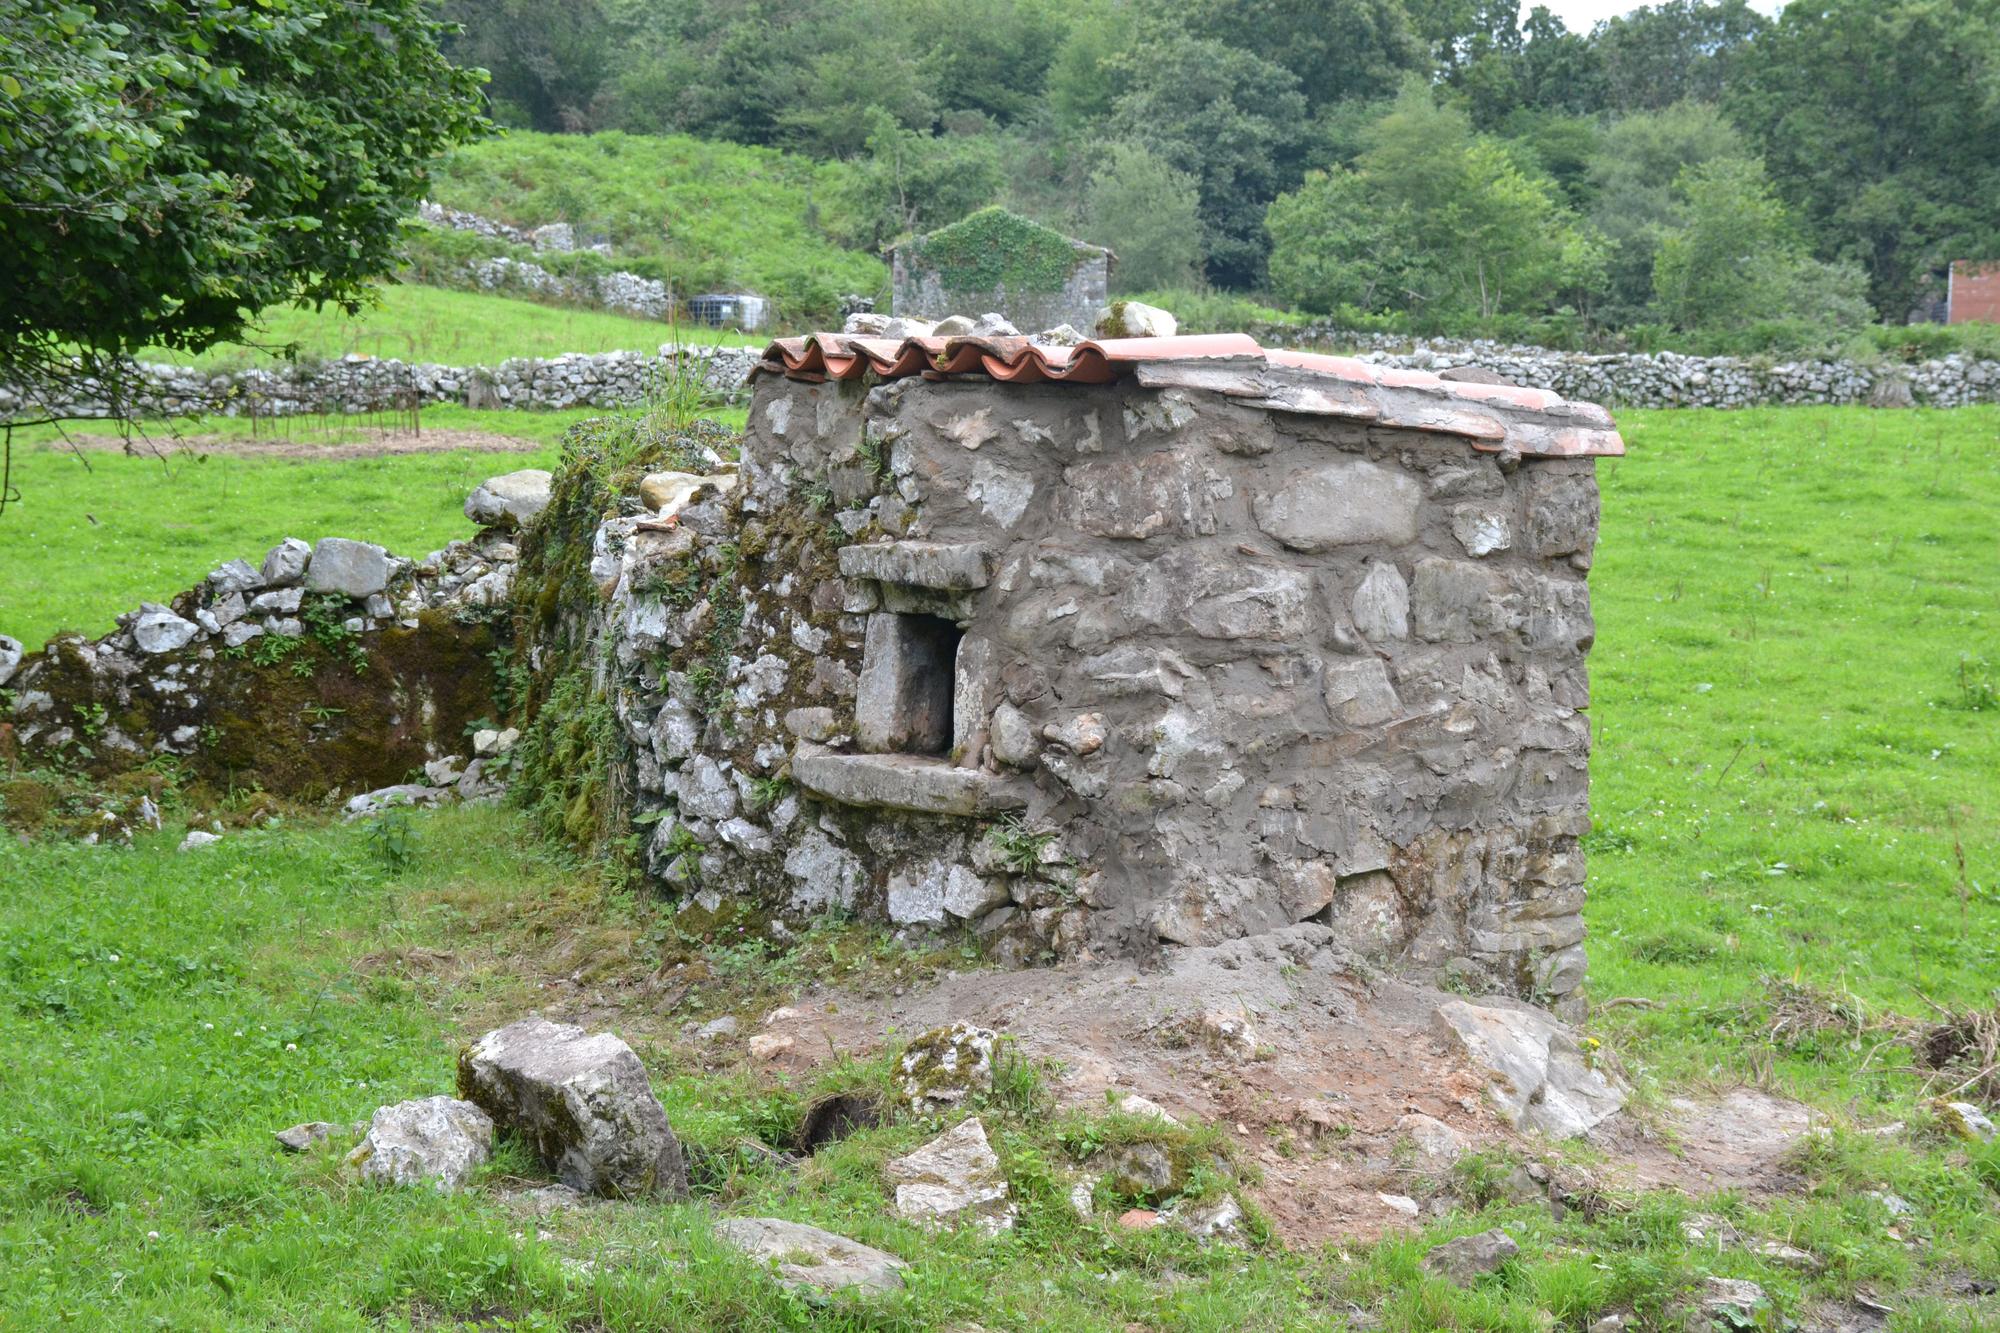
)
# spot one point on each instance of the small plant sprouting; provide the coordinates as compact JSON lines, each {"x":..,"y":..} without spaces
{"x":1021,"y":848}
{"x":394,"y":839}
{"x":1977,"y":691}
{"x":767,"y":792}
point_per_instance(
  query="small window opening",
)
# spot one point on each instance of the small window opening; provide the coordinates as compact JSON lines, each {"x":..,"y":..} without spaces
{"x":908,"y":675}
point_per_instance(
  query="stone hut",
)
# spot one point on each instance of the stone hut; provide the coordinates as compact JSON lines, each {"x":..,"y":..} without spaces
{"x":1142,"y":642}
{"x":994,"y":260}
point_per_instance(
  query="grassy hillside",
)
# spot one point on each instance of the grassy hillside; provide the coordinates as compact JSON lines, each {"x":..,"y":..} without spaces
{"x":1798,"y":733}
{"x":700,"y":216}
{"x":414,"y":323}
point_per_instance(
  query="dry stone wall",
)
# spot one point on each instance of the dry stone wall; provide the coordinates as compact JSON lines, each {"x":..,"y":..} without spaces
{"x":368,"y":384}
{"x":1667,"y":379}
{"x":1096,"y":670}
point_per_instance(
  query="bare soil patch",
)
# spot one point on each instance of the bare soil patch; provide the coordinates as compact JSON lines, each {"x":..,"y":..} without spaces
{"x":342,"y":442}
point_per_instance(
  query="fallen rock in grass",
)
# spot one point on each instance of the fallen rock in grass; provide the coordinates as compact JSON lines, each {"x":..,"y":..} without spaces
{"x":545,"y":1199}
{"x":944,"y":1066}
{"x":1471,"y":1257}
{"x":1401,"y":1203}
{"x":1133,"y":1104}
{"x":198,"y":838}
{"x":1730,"y":1298}
{"x":954,"y":1180}
{"x":431,"y":1140}
{"x":300,"y":1138}
{"x":1965,"y":1120}
{"x":1537,"y":1076}
{"x":805,"y":1256}
{"x":1138,"y":1219}
{"x":1786,"y":1256}
{"x":1216,"y":1219}
{"x":1136,"y":1170}
{"x":582,"y":1102}
{"x":510,"y":500}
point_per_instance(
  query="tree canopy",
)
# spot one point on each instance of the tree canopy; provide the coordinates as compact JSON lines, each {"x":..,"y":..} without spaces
{"x":167,"y":170}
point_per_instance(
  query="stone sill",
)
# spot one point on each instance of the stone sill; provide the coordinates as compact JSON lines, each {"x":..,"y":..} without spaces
{"x":920,"y":783}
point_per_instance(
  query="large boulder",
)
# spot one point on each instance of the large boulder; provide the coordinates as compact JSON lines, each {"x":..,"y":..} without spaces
{"x":435,"y":1140}
{"x":952,"y":1180}
{"x":350,"y":568}
{"x":804,"y":1256}
{"x":1537,"y":1076}
{"x":582,"y":1101}
{"x":510,"y":500}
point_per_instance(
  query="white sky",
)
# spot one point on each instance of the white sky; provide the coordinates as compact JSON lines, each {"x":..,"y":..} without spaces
{"x":1580,"y":15}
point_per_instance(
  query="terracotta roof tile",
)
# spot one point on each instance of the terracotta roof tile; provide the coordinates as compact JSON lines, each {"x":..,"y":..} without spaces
{"x":1493,"y":417}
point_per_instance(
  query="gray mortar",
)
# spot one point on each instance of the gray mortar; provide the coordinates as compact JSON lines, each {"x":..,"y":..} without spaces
{"x":1246,"y":668}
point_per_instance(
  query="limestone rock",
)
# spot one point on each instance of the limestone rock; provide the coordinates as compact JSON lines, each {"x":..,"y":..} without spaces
{"x":1436,"y":1142}
{"x":805,"y":1256}
{"x":768,"y":1046}
{"x":1218,"y":1219}
{"x":285,"y":563}
{"x":388,"y":798}
{"x":944,"y":1066}
{"x":300,"y":1138}
{"x":1471,"y":1257}
{"x":1537,"y":1077}
{"x":198,"y":838}
{"x":1133,"y":1104}
{"x":582,"y":1101}
{"x":1965,"y":1120}
{"x":952,"y":326}
{"x":1730,"y":1298}
{"x":1137,"y":1170}
{"x":350,"y":568}
{"x":1342,"y":503}
{"x":955,"y":1179}
{"x":1013,"y":737}
{"x":11,"y":653}
{"x":509,"y":501}
{"x":1230,"y":1034}
{"x":1382,"y":603}
{"x":436,"y":1140}
{"x":1136,"y":319}
{"x":159,"y":630}
{"x":667,"y":493}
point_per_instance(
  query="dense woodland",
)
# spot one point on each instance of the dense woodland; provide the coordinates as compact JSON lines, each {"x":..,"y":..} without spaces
{"x":1431,"y":164}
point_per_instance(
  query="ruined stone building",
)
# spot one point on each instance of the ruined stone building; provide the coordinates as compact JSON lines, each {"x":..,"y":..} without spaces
{"x":1149,"y":641}
{"x":993,"y":260}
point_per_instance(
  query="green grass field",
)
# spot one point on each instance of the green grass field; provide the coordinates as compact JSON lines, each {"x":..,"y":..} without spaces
{"x":452,"y":328}
{"x":704,"y":216}
{"x":1797,"y":715}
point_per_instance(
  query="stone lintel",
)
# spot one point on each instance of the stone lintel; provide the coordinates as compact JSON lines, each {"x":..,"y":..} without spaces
{"x":927,"y":785}
{"x":944,"y":566}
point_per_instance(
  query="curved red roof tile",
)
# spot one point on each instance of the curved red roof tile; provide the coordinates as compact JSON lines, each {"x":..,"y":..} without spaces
{"x":1493,"y":417}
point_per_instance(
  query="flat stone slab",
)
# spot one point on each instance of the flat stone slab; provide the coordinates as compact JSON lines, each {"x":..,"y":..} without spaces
{"x":805,"y":1256}
{"x":955,"y":1178}
{"x":906,"y":782}
{"x":945,"y":566}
